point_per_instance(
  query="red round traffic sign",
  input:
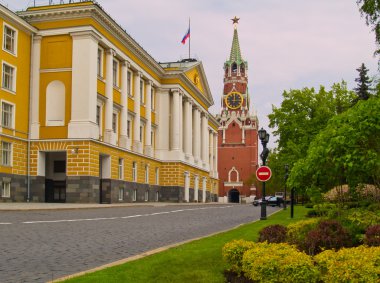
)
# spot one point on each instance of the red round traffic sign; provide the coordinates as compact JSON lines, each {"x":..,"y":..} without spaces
{"x":263,"y":173}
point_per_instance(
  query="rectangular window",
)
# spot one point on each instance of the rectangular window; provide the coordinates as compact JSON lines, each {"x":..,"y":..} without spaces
{"x":121,"y":193}
{"x":8,"y":77}
{"x":98,"y":111}
{"x":141,"y":133}
{"x":114,"y":122}
{"x":9,"y":39}
{"x":99,"y":63}
{"x":146,"y":174}
{"x":146,"y":195}
{"x":129,"y":129}
{"x":115,"y":73}
{"x":134,"y":197}
{"x":7,"y":115}
{"x":142,"y":91}
{"x":157,"y":176}
{"x":134,"y":171}
{"x":59,"y":166}
{"x":152,"y":98}
{"x":6,"y":153}
{"x":6,"y":190}
{"x":121,"y":168}
{"x":129,"y":83}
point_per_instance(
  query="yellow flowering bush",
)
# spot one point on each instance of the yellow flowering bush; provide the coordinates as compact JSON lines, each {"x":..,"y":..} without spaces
{"x":359,"y":264}
{"x":296,"y":233}
{"x":233,"y":253}
{"x":278,"y":263}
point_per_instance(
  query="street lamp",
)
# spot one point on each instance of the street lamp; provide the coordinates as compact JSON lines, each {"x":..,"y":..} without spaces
{"x":264,"y":137}
{"x":286,"y":178}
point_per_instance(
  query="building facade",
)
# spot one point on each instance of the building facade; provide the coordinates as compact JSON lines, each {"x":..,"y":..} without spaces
{"x":237,"y":134}
{"x":89,"y":116}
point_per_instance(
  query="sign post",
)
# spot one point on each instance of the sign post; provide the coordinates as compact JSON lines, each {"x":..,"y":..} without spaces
{"x":263,"y":173}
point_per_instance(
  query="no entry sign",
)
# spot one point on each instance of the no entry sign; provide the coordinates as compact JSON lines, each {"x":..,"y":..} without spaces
{"x":263,"y":174}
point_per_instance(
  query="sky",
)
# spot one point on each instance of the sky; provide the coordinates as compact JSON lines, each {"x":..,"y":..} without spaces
{"x":289,"y":44}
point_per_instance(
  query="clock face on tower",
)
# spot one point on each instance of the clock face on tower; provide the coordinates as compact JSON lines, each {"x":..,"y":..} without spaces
{"x":234,"y":100}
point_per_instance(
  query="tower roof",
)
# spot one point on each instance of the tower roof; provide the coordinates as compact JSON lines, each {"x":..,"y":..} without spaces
{"x":235,"y":54}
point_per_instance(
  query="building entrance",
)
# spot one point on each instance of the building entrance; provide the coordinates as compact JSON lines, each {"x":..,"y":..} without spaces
{"x":233,"y":196}
{"x":55,"y":176}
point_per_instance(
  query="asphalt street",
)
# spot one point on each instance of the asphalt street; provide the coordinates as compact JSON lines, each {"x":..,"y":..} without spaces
{"x":38,"y":246}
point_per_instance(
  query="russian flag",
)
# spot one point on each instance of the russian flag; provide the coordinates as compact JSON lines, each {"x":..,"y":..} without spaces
{"x":187,"y":35}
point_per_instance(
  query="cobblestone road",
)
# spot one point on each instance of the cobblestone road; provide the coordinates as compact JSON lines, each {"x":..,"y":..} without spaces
{"x":38,"y":246}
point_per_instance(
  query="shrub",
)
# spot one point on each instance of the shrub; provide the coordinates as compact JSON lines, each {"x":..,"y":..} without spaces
{"x":297,"y":232}
{"x":233,"y":253}
{"x":278,"y":263}
{"x":360,"y":264}
{"x":312,"y":213}
{"x":363,"y":218}
{"x":273,"y":234}
{"x":329,"y":234}
{"x":372,"y":236}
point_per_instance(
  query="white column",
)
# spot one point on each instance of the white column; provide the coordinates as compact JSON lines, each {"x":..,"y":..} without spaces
{"x":137,"y":123}
{"x":180,"y":118}
{"x":196,"y":188}
{"x":84,"y":86}
{"x":175,"y":122}
{"x":224,"y":135}
{"x":204,"y":189}
{"x":109,"y":135}
{"x":187,"y":185}
{"x":162,"y":133}
{"x":148,"y":116}
{"x":197,"y":135}
{"x":187,"y":128}
{"x":243,"y":134}
{"x":124,"y":103}
{"x":211,"y":152}
{"x":35,"y":81}
{"x":215,"y":156}
{"x":203,"y":139}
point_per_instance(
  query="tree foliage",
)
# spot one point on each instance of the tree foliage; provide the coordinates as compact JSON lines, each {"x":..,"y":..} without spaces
{"x":347,"y":151}
{"x":364,"y":83}
{"x":370,"y":9}
{"x":301,"y":116}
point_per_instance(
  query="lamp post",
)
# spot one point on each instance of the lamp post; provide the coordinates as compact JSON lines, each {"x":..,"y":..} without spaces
{"x":264,"y":137}
{"x":286,"y":178}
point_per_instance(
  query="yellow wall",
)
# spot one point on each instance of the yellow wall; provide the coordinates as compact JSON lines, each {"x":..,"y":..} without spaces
{"x":19,"y":156}
{"x":56,"y":52}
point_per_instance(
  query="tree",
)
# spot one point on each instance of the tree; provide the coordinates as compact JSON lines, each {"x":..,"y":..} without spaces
{"x":347,"y":151}
{"x":364,"y":83}
{"x":370,"y":9}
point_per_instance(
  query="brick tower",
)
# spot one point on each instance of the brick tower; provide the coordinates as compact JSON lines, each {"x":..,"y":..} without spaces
{"x":237,"y":135}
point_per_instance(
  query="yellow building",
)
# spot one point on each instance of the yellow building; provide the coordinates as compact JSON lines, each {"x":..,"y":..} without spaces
{"x":89,"y":116}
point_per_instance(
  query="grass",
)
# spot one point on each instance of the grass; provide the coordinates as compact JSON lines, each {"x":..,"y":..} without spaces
{"x":197,"y":261}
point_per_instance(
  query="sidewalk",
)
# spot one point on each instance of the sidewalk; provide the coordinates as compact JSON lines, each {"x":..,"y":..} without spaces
{"x":21,"y":206}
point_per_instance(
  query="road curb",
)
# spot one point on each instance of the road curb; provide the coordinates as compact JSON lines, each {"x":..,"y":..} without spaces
{"x":148,"y":253}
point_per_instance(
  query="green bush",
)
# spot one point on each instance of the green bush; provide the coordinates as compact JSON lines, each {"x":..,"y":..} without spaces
{"x":296,"y":234}
{"x":233,"y":253}
{"x":273,"y":234}
{"x":360,"y":264}
{"x":278,"y":263}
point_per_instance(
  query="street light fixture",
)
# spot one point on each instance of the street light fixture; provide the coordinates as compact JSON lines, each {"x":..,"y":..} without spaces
{"x":286,"y":178}
{"x":264,"y":137}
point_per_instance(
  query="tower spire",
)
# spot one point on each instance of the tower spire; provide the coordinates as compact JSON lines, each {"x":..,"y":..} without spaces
{"x":235,"y":54}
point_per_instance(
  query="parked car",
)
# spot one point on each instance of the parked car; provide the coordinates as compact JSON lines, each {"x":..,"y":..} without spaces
{"x":275,"y":201}
{"x":258,"y":202}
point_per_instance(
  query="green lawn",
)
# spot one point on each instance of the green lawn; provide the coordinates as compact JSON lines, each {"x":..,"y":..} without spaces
{"x":197,"y":261}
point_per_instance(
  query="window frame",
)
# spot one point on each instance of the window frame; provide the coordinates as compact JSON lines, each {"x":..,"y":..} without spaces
{"x":146,"y":195}
{"x":13,"y":115}
{"x":6,"y":192}
{"x":100,"y":64}
{"x":121,"y":193}
{"x":134,"y":171}
{"x":129,"y":123}
{"x":13,"y":78}
{"x":147,"y":174}
{"x":142,"y":88}
{"x":129,"y":83}
{"x":15,"y":40}
{"x":134,"y":195}
{"x":121,"y":169}
{"x":8,"y":152}
{"x":157,"y":176}
{"x":152,"y":99}
{"x":115,"y":72}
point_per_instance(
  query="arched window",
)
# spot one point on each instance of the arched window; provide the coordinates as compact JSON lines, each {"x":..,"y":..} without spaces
{"x":234,"y":68}
{"x":242,"y":70}
{"x":233,"y":175}
{"x":55,"y":104}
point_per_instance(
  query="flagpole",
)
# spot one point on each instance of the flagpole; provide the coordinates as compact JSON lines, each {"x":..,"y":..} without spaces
{"x":189,"y":38}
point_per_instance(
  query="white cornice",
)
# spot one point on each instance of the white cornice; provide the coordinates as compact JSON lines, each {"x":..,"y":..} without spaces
{"x":8,"y":15}
{"x":95,"y":12}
